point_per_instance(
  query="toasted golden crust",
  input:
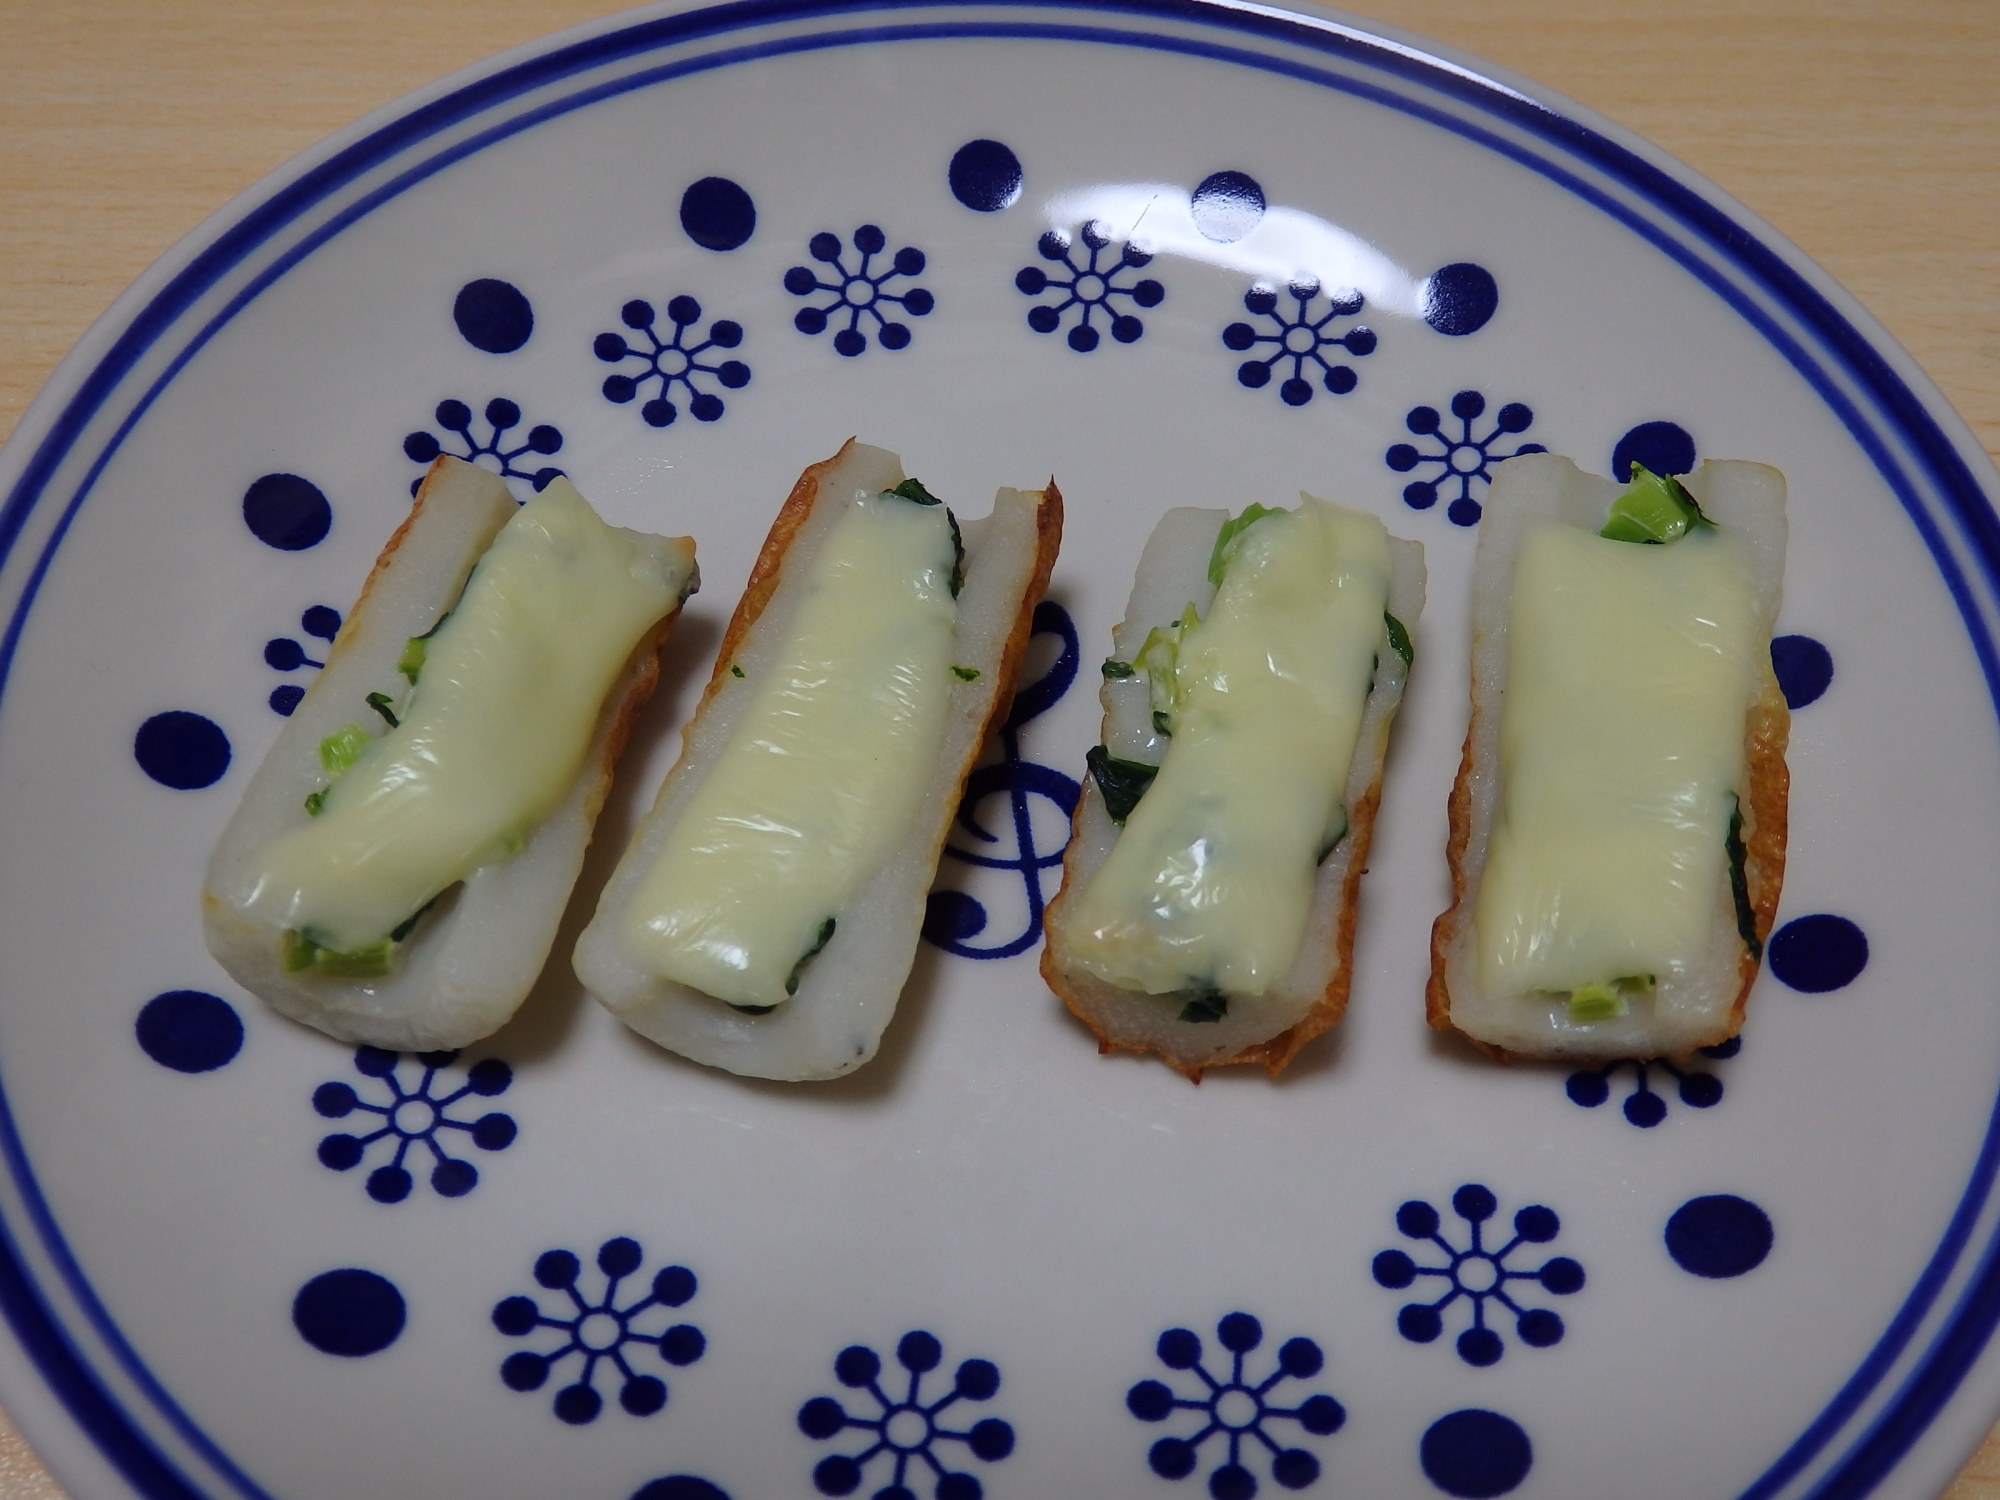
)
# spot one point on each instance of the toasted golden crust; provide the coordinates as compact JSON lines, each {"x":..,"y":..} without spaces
{"x":1437,"y":992}
{"x":449,"y":991}
{"x":1764,"y":798}
{"x":765,"y":573}
{"x":1277,"y":1052}
{"x":1048,"y":541}
{"x":1766,"y":812}
{"x":628,"y":700}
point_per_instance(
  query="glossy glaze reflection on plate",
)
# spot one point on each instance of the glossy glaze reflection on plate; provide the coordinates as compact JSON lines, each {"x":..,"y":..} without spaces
{"x":1173,"y":253}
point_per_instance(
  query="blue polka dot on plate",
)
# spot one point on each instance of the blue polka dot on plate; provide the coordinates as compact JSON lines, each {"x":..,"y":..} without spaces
{"x":985,"y":176}
{"x":1818,"y":953}
{"x":189,"y":1031}
{"x":1475,"y":1454}
{"x":182,"y":750}
{"x":349,"y":1312}
{"x":1719,"y":1236}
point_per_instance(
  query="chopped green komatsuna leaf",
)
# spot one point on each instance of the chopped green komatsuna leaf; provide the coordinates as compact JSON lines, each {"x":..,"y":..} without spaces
{"x":316,"y":802}
{"x":1739,"y":882}
{"x":381,"y":702}
{"x":734,"y":670}
{"x":824,"y":936}
{"x":1122,"y":782}
{"x":343,"y":747}
{"x":913,"y":489}
{"x":1654,"y":509}
{"x":1205,"y":1005}
{"x":409,"y":924}
{"x":1596,"y":1002}
{"x":1160,"y":658}
{"x":1226,"y":539}
{"x":371,"y":962}
{"x":964,"y":674}
{"x":1113,"y":667}
{"x":1399,"y":638}
{"x":300,"y":952}
{"x":957,"y":554}
{"x":416,"y":647}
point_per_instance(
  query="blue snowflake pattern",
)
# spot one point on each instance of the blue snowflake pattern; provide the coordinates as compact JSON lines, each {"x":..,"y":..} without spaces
{"x":671,"y":362}
{"x":413,"y":1117}
{"x":1478,"y":1274}
{"x":1465,"y":460}
{"x":907,"y":1429}
{"x":952,"y":916}
{"x":1300,"y":338}
{"x":502,"y":417}
{"x":1590,"y":1087}
{"x":1090,"y":286}
{"x":599,"y":1332}
{"x":861,"y":292}
{"x":1235,"y":1410}
{"x":283,"y":654}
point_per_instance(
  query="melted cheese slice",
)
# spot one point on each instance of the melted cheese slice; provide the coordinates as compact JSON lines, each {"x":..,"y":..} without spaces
{"x":1210,"y":885}
{"x":1629,"y":671}
{"x":823,"y":773}
{"x":492,"y":735}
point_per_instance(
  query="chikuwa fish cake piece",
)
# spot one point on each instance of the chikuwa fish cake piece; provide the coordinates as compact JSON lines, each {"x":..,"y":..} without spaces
{"x":1210,"y":887}
{"x":766,"y":915}
{"x":1618,"y":825}
{"x":401,"y":859}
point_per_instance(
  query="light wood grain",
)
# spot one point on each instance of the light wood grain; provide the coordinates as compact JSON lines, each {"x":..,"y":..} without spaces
{"x":1867,"y":131}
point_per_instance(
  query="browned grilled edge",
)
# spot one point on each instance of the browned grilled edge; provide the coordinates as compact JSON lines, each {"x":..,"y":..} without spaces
{"x":1767,"y":780}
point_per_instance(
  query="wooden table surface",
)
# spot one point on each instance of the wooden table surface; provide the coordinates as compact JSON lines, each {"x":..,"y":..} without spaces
{"x":1868,"y":131}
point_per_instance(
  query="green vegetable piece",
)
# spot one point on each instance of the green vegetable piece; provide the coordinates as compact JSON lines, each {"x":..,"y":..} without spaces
{"x":1739,"y":882}
{"x":409,"y":924}
{"x":380,"y":703}
{"x":1597,"y":1002}
{"x":1226,"y":539}
{"x":411,"y":662}
{"x":1399,"y":638}
{"x":1113,"y":667}
{"x":1205,"y":1006}
{"x":913,"y":489}
{"x":734,"y":670}
{"x":825,"y":936}
{"x":965,"y":674}
{"x":371,"y":962}
{"x":957,"y":554}
{"x":1655,"y":509}
{"x":297,"y":951}
{"x":316,"y":802}
{"x":1160,"y":658}
{"x":1122,"y":782}
{"x":343,"y":747}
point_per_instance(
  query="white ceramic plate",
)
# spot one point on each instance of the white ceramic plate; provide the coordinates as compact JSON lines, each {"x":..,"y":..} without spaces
{"x":1767,"y":1275}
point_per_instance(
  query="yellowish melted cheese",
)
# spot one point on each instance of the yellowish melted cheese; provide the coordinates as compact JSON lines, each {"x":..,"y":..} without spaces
{"x":1211,"y":883}
{"x":1629,"y":672}
{"x":492,"y":735}
{"x":825,"y":770}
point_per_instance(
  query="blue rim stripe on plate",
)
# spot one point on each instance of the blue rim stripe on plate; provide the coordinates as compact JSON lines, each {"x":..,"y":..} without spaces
{"x":1903,"y":419}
